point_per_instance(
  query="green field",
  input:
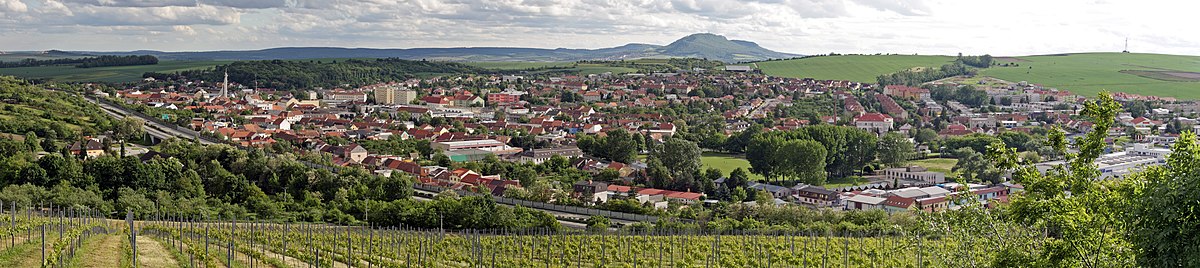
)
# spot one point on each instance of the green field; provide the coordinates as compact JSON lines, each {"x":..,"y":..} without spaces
{"x":943,"y":165}
{"x":517,"y":65}
{"x":727,"y":163}
{"x":859,"y":68}
{"x":1084,"y":74}
{"x":105,"y":74}
{"x":1088,"y":73}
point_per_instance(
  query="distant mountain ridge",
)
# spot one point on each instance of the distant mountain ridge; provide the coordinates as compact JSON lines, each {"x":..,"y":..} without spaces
{"x":704,"y":45}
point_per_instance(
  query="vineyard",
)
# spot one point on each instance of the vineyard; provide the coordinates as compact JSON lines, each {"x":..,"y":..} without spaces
{"x":79,"y":238}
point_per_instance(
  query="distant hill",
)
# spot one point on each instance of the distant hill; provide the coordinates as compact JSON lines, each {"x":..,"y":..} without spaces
{"x":1082,"y":73}
{"x":709,"y":46}
{"x":40,"y":55}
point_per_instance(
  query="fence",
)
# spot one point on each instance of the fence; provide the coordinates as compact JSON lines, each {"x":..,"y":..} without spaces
{"x":233,"y":243}
{"x":56,"y":232}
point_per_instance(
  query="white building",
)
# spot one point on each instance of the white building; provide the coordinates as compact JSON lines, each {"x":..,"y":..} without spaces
{"x":1119,"y":164}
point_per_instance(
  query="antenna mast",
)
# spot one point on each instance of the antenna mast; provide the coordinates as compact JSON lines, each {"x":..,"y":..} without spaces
{"x":1126,"y":46}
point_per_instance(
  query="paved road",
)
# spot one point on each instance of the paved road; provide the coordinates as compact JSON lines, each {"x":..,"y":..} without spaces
{"x":156,"y":129}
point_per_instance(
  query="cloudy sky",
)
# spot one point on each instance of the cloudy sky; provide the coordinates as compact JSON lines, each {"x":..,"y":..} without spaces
{"x":1008,"y":27}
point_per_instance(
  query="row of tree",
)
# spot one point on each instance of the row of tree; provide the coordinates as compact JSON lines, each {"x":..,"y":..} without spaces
{"x":86,"y":62}
{"x":917,"y":77}
{"x":296,"y":74}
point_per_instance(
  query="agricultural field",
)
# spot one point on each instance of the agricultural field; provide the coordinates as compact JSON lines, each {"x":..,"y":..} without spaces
{"x":1082,"y":73}
{"x":1086,"y":74}
{"x":66,"y":73}
{"x":858,"y":68}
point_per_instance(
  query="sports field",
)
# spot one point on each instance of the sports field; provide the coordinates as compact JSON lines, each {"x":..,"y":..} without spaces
{"x":727,"y":163}
{"x":105,"y":74}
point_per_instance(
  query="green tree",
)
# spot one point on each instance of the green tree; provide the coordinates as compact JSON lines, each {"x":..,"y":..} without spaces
{"x":894,"y":150}
{"x":1163,"y":209}
{"x":31,"y":142}
{"x":681,"y":157}
{"x":620,"y":146}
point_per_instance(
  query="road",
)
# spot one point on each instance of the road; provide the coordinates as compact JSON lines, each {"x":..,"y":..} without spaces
{"x":153,"y":128}
{"x":159,"y":130}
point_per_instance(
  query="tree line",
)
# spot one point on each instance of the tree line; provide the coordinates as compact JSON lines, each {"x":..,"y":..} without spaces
{"x":916,"y":77}
{"x":304,"y":74}
{"x":88,"y":62}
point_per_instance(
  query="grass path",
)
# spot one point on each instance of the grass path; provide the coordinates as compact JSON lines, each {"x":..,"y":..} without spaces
{"x":25,"y":254}
{"x":152,"y":254}
{"x":100,"y":251}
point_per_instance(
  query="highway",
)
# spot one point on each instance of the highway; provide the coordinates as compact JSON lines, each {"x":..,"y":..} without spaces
{"x":162,"y":131}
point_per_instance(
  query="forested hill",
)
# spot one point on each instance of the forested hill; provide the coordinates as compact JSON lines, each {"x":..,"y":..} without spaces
{"x":321,"y":73}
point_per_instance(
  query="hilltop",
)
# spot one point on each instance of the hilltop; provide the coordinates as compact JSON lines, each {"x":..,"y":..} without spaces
{"x":704,"y":45}
{"x":1082,"y":73}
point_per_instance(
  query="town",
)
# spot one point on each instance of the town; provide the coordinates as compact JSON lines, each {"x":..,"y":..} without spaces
{"x":514,"y":135}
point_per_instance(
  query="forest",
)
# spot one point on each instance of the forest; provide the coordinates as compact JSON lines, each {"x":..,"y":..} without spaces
{"x":307,"y":74}
{"x":86,"y":62}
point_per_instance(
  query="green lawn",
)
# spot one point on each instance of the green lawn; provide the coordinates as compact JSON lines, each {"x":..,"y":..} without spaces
{"x":727,"y":163}
{"x":858,"y":68}
{"x":105,"y":74}
{"x":943,"y":165}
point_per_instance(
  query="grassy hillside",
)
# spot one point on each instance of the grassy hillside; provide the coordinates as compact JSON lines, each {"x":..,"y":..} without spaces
{"x":1088,"y":73}
{"x":105,"y":74}
{"x":31,"y":108}
{"x":1083,"y":73}
{"x":859,"y":68}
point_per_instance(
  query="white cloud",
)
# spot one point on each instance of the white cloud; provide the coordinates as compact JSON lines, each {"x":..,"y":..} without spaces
{"x":1012,"y":27}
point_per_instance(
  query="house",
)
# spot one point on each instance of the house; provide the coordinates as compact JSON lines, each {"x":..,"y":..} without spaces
{"x":779,"y":192}
{"x":864,"y":202}
{"x":352,"y":152}
{"x":814,"y":196}
{"x":591,"y":191}
{"x":92,"y":148}
{"x":894,"y":204}
{"x":537,"y":156}
{"x":933,"y":204}
{"x":874,"y":122}
{"x":906,"y":92}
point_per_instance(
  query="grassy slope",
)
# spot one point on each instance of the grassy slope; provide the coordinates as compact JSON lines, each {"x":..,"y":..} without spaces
{"x":859,"y":68}
{"x":105,"y":74}
{"x":1083,"y":73}
{"x":1087,"y":73}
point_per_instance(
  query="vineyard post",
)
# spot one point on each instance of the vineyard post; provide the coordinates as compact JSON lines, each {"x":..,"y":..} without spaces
{"x":13,"y":224}
{"x":206,"y":237}
{"x":825,"y":254}
{"x":232,"y":234}
{"x":920,"y":263}
{"x":132,"y":236}
{"x":285,"y":238}
{"x":846,"y":250}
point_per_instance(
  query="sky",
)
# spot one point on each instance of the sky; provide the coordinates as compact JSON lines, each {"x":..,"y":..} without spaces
{"x":947,"y":27}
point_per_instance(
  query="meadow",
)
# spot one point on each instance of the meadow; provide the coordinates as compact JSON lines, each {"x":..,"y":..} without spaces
{"x":66,"y":73}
